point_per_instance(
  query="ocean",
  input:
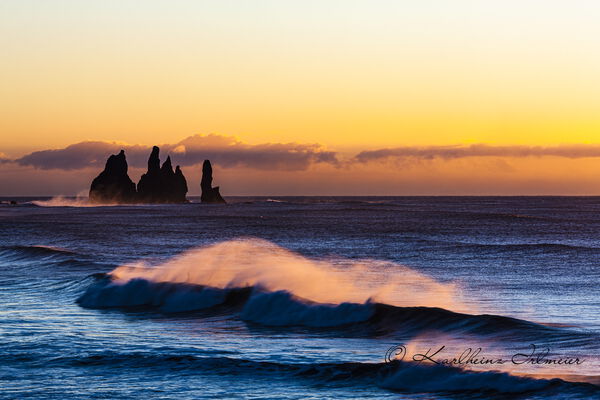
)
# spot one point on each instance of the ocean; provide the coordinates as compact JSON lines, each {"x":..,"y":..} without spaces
{"x":301,"y":298}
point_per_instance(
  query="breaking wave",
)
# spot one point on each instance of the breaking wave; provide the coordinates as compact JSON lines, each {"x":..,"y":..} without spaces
{"x":259,"y":263}
{"x":283,"y":309}
{"x":265,"y":284}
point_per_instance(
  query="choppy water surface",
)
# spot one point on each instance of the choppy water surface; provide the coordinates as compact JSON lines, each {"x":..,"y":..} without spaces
{"x":298,"y":298}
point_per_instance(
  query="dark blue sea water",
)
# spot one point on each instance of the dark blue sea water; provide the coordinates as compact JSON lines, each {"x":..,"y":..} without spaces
{"x":302,"y":297}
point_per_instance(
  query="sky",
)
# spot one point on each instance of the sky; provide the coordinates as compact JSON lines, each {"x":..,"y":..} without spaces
{"x":345,"y":97}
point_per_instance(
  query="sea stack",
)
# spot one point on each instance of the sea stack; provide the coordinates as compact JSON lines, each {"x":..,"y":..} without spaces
{"x":161,"y":184}
{"x":181,"y":187}
{"x":149,"y":184}
{"x":209,"y":194}
{"x":113,"y":185}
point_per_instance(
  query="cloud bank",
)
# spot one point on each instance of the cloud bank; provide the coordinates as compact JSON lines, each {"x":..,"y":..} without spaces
{"x":229,"y":152}
{"x":225,"y":151}
{"x":300,"y":169}
{"x":477,"y":150}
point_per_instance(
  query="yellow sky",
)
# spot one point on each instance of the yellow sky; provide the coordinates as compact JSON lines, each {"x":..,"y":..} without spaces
{"x":348,"y":74}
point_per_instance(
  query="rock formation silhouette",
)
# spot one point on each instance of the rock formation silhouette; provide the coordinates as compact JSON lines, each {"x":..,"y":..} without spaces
{"x":209,"y":194}
{"x":161,"y":184}
{"x":113,"y":185}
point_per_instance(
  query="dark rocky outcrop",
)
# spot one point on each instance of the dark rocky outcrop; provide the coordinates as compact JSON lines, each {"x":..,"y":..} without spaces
{"x":161,"y":184}
{"x":149,"y":184}
{"x":113,"y":185}
{"x":209,"y":194}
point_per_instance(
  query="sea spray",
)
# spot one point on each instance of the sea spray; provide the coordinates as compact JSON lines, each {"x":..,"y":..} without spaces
{"x":254,"y":262}
{"x":80,"y":200}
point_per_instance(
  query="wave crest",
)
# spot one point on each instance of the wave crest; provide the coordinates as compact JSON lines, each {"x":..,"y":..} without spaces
{"x":282,"y":309}
{"x":23,"y":252}
{"x":259,"y":263}
{"x":406,"y":377}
